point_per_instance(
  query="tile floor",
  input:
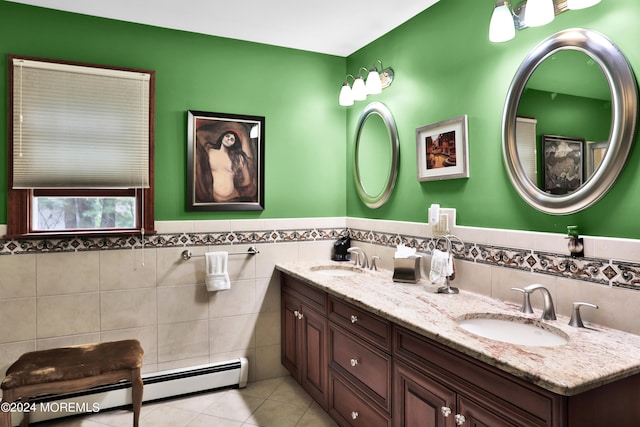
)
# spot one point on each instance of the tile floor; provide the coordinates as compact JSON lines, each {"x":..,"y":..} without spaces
{"x":278,"y":402}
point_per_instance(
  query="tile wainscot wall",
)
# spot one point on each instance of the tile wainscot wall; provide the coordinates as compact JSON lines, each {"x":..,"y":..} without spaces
{"x":58,"y":292}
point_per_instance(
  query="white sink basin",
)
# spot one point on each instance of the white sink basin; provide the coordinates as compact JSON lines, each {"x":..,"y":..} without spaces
{"x":513,"y":330}
{"x":336,"y":270}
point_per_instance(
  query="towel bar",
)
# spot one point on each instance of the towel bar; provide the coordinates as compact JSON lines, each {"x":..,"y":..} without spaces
{"x":186,"y":254}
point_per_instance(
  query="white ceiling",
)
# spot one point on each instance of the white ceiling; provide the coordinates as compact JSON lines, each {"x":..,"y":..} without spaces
{"x":336,"y":27}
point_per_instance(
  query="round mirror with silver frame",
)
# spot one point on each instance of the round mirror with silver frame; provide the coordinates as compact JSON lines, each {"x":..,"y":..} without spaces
{"x":624,"y":111}
{"x":375,"y":199}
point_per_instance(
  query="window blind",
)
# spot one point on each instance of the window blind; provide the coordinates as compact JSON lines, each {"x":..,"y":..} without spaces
{"x":526,"y":143}
{"x":79,"y":127}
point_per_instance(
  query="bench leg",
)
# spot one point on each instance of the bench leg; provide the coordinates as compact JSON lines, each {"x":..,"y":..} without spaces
{"x":25,"y":419}
{"x":136,"y":395}
{"x":5,"y":416}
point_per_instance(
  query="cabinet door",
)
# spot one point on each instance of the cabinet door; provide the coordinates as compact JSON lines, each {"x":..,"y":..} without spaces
{"x":313,"y":369}
{"x":290,"y":324}
{"x":476,"y":415}
{"x":420,"y":401}
{"x":486,"y":395}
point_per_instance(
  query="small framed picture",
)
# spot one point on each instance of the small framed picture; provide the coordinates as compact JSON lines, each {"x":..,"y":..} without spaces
{"x":225,"y":162}
{"x":442,"y":150}
{"x":563,"y":163}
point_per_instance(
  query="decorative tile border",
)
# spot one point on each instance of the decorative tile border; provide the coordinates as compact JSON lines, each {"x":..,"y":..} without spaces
{"x":596,"y":270}
{"x":168,"y":240}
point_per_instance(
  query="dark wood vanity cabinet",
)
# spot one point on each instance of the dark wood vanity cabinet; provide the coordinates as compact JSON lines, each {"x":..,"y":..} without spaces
{"x":304,"y":337}
{"x":367,"y":372}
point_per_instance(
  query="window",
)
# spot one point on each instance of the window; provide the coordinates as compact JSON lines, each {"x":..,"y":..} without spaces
{"x":80,"y":149}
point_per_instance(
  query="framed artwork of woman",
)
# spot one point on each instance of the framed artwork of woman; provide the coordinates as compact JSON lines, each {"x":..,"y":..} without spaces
{"x":226,"y":162}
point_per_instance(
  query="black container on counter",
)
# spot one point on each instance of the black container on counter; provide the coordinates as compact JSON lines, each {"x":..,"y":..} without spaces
{"x":340,"y":247}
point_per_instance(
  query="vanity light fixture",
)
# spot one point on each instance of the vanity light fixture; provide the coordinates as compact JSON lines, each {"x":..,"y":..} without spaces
{"x":359,"y":90}
{"x":538,"y":13}
{"x":501,"y":28}
{"x":529,"y":13}
{"x":346,"y":94}
{"x":374,"y":83}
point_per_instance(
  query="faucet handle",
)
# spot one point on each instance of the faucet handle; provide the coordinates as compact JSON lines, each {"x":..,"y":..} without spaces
{"x":576,"y":320}
{"x":373,"y":262}
{"x":526,"y":303}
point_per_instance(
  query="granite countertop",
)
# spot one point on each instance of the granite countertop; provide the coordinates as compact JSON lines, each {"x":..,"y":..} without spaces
{"x":593,"y":356}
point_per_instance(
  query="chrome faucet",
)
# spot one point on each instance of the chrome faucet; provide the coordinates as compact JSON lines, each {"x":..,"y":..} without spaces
{"x":359,"y":252}
{"x":548,"y":312}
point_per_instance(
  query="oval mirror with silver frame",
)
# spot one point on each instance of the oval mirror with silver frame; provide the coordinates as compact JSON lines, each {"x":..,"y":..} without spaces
{"x":376,"y":155}
{"x":624,"y":114}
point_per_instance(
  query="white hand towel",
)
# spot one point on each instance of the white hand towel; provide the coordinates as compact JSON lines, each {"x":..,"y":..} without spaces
{"x":217,"y":277}
{"x":441,"y":267}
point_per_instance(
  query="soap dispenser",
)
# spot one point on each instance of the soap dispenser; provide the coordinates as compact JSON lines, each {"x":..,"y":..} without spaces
{"x":575,"y":245}
{"x":341,"y":249}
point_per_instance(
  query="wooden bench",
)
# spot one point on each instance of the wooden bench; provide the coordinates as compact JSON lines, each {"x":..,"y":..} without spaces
{"x":73,"y":369}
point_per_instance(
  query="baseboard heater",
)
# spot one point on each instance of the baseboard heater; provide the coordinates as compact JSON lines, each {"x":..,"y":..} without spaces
{"x":157,"y":386}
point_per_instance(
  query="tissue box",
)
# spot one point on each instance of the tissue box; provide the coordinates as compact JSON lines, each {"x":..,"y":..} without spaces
{"x":406,"y":270}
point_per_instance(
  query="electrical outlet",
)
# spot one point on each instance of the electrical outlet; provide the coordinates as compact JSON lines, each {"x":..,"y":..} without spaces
{"x":442,"y":226}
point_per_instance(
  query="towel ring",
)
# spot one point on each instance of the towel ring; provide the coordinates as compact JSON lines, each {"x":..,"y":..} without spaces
{"x":448,"y":238}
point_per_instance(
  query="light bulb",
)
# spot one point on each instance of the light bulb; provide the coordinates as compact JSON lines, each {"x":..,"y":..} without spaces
{"x":359,"y":90}
{"x":538,"y":13}
{"x":374,"y":84}
{"x":581,"y":4}
{"x":346,"y":96}
{"x":501,"y":27}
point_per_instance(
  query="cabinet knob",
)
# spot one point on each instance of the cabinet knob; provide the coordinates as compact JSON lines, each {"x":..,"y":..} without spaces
{"x":354,"y":415}
{"x":354,"y":318}
{"x":460,"y":419}
{"x":298,"y":314}
{"x":446,"y":411}
{"x":354,"y":362}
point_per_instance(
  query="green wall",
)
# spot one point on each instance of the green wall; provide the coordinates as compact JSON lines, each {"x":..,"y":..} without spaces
{"x":446,"y":67}
{"x":296,"y":91}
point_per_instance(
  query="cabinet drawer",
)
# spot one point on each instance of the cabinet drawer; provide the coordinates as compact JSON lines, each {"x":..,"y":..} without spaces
{"x":316,"y":298}
{"x":368,"y":326}
{"x":349,"y":408}
{"x":362,"y":362}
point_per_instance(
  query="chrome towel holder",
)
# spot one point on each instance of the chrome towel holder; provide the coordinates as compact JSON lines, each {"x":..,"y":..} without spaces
{"x":186,"y":254}
{"x":448,"y":238}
